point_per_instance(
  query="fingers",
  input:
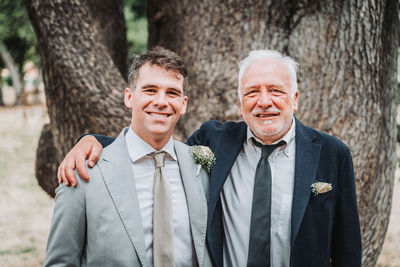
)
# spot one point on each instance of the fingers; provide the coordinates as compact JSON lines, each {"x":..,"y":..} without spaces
{"x":69,"y":170}
{"x":81,"y":167}
{"x":61,"y":174}
{"x":95,"y":153}
{"x":88,"y":146}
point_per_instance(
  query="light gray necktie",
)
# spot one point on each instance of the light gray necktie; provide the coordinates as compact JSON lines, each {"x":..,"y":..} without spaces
{"x":163,"y":237}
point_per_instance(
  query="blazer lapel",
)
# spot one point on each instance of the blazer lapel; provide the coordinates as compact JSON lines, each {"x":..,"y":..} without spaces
{"x":116,"y":169}
{"x":226,"y":150}
{"x":195,"y":197}
{"x":307,"y":161}
{"x":229,"y":146}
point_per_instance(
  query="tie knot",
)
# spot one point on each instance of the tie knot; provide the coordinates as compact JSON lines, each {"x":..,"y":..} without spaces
{"x":266,"y":150}
{"x":159,"y":159}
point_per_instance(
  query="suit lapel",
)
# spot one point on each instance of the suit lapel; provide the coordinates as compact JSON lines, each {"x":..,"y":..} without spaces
{"x":116,"y":169}
{"x":307,"y":161}
{"x":226,"y":152}
{"x":195,"y":197}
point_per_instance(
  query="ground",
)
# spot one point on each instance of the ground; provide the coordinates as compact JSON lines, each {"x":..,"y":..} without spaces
{"x":26,"y":210}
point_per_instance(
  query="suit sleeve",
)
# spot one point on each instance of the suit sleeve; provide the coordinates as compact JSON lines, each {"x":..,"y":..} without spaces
{"x":202,"y":135}
{"x":66,"y":240}
{"x":104,"y":140}
{"x":346,"y":243}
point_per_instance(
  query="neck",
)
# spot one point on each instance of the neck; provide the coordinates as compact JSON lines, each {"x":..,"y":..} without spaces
{"x":155,"y":141}
{"x":269,"y":139}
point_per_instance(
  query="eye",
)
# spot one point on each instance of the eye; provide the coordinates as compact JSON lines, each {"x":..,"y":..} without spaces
{"x":251,"y":92}
{"x":173,"y":93}
{"x":150,"y":90}
{"x":276,"y":91}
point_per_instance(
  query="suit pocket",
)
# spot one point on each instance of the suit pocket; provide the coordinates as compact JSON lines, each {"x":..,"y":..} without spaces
{"x":322,"y":202}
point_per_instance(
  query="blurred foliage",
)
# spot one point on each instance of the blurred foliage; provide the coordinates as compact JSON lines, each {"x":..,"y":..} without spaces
{"x":17,"y":34}
{"x":135,"y":12}
{"x":6,"y":80}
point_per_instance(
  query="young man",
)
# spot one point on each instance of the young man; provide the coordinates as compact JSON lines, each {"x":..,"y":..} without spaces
{"x":146,"y":205}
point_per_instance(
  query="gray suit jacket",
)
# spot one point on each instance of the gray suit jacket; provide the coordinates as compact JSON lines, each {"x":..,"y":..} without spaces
{"x":99,"y":223}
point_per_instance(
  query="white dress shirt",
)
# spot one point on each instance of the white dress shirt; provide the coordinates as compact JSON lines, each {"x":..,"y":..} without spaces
{"x":143,"y":173}
{"x":237,"y":198}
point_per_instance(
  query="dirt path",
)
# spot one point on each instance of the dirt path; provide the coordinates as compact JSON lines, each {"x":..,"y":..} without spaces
{"x":26,"y":210}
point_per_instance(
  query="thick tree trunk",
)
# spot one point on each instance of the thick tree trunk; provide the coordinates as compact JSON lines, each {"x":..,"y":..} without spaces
{"x":347,"y":52}
{"x":84,"y":51}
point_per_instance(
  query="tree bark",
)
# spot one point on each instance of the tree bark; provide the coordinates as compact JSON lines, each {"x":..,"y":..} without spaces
{"x":347,"y":52}
{"x":84,"y":51}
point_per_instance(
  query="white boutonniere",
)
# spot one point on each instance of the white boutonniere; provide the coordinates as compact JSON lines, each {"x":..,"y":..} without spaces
{"x":320,"y":188}
{"x":204,"y":157}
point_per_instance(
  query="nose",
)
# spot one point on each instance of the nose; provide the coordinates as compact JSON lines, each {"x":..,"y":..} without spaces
{"x":160,"y":99}
{"x":264,"y":99}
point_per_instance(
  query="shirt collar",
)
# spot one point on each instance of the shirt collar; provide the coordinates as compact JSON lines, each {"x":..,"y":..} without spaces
{"x":289,"y":138}
{"x":138,"y":148}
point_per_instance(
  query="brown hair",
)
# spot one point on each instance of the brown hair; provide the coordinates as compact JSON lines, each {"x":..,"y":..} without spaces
{"x":161,"y":57}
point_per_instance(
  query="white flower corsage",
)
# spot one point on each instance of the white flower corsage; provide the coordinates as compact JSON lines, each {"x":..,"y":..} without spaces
{"x":320,"y":188}
{"x":204,"y":157}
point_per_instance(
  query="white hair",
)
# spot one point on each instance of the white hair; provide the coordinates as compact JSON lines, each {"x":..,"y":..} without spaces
{"x":269,"y":54}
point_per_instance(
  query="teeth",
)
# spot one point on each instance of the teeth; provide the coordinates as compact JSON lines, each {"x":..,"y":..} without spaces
{"x":158,"y":115}
{"x":264,"y":115}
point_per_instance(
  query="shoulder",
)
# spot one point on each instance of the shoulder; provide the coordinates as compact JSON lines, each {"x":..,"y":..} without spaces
{"x":327,"y":141}
{"x":179,"y":147}
{"x":215,"y":125}
{"x":211,"y":132}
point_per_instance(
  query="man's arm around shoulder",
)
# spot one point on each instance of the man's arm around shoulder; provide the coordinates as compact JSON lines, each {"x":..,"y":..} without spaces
{"x":209,"y":132}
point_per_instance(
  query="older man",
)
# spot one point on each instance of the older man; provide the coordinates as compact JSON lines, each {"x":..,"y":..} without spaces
{"x":281,"y":194}
{"x":145,"y":205}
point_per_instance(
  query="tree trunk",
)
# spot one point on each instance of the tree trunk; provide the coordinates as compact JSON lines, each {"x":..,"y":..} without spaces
{"x":347,"y":52}
{"x":13,"y":69}
{"x":84,"y":52}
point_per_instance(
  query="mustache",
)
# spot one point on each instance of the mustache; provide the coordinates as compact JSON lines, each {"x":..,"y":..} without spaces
{"x":265,"y":110}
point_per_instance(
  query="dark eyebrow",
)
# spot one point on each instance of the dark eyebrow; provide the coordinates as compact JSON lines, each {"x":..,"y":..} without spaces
{"x":148,"y":85}
{"x":175,"y":90}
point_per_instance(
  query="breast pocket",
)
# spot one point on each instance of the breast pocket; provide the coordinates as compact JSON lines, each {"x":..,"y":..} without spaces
{"x":322,"y":202}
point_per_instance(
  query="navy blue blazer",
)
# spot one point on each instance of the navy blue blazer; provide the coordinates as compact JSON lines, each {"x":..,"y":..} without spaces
{"x":325,"y":229}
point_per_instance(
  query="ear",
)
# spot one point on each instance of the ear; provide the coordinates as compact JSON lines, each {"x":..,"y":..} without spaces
{"x":128,"y":97}
{"x":184,"y":105}
{"x":295,"y":101}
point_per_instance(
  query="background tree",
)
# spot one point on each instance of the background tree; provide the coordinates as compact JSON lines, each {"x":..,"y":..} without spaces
{"x":17,"y":41}
{"x":347,"y":52}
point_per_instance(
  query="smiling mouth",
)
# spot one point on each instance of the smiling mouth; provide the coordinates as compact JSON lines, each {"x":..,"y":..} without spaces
{"x":266,"y":116}
{"x":158,"y":115}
